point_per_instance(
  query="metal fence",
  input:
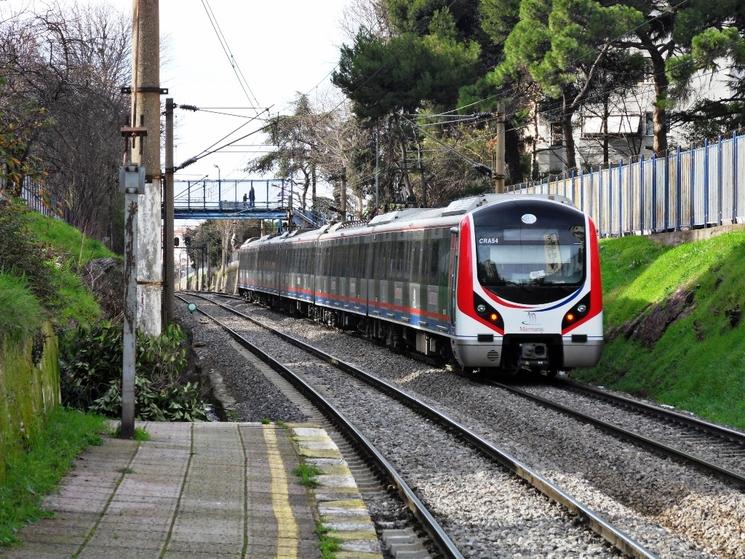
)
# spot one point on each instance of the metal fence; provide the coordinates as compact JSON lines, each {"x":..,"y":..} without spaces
{"x":36,"y":197}
{"x":699,"y":187}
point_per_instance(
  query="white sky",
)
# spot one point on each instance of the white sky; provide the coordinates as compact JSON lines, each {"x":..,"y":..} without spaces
{"x":282,"y":47}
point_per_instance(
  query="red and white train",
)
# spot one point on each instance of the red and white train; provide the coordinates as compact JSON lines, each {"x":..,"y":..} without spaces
{"x":497,"y":281}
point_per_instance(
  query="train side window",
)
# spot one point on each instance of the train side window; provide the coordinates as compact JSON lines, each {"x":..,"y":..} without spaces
{"x":342,"y":252}
{"x":397,"y":260}
{"x":393,"y":255}
{"x":377,"y":259}
{"x":443,"y":261}
{"x":416,"y":263}
{"x":349,"y":259}
{"x":338,"y":256}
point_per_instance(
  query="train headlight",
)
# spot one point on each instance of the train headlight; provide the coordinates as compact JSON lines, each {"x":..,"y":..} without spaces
{"x":577,"y":312}
{"x":487,"y":312}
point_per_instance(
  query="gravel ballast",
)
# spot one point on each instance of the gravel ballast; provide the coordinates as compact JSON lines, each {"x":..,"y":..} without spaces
{"x":486,"y":510}
{"x":256,"y":399}
{"x":670,"y":508}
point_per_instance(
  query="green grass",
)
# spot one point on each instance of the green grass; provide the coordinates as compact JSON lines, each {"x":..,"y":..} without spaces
{"x":307,"y":474}
{"x":141,"y":435}
{"x":75,"y":302}
{"x":36,"y":472}
{"x":698,"y":363}
{"x":327,"y":544}
{"x":62,"y":236}
{"x":20,"y":312}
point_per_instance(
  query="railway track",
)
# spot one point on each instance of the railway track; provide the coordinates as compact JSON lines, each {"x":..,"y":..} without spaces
{"x":359,"y":442}
{"x":711,"y":448}
{"x":486,"y":449}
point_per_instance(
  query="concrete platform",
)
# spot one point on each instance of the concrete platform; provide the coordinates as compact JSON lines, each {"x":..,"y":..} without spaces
{"x":198,"y":491}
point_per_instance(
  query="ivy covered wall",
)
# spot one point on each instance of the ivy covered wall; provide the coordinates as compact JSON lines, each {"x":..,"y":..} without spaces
{"x":29,"y":389}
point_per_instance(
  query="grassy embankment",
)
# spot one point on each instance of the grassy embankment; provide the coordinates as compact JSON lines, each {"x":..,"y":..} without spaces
{"x":33,"y":474}
{"x":698,"y":364}
{"x":39,"y":291}
{"x":67,"y":249}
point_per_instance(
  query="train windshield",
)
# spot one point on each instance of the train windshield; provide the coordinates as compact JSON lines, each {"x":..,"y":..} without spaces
{"x":530,"y":252}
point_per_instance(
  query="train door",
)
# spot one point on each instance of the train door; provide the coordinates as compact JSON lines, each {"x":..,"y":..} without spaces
{"x":452,"y":280}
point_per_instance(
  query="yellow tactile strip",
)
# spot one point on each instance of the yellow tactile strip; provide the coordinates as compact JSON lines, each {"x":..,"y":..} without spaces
{"x":286,"y":524}
{"x":340,"y":506}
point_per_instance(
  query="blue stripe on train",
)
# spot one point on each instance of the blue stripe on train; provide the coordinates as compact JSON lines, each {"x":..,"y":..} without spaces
{"x":439,"y":326}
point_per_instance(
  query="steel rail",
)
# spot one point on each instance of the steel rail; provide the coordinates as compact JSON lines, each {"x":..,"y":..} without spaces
{"x":672,"y":416}
{"x":728,"y":475}
{"x":415,"y":505}
{"x":595,"y":521}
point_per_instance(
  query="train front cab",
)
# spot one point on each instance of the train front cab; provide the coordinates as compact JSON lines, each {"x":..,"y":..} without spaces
{"x":528,"y":291}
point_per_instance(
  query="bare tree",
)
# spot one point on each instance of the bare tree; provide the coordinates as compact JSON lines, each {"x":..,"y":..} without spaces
{"x":370,"y":14}
{"x":227,"y":229}
{"x":69,"y":66}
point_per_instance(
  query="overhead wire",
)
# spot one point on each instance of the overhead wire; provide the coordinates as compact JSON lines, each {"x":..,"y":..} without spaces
{"x":234,"y":130}
{"x":204,"y":154}
{"x":229,"y":54}
{"x":221,"y":113}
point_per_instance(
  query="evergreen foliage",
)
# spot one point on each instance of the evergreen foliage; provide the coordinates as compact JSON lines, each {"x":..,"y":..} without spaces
{"x":92,"y":371}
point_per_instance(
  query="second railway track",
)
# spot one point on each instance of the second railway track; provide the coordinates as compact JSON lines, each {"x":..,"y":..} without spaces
{"x":716,"y":450}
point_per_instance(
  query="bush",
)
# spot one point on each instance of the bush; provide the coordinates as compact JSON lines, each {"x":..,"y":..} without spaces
{"x":21,"y":312}
{"x":92,"y":371}
{"x":22,"y":255}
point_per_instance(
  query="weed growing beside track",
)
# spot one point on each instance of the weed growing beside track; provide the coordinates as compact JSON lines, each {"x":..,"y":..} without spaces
{"x":672,"y":324}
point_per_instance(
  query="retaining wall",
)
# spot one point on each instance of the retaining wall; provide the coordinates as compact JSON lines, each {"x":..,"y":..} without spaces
{"x":29,"y":390}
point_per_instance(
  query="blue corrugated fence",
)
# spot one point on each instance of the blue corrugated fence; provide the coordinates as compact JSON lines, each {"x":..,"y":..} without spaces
{"x":699,"y":187}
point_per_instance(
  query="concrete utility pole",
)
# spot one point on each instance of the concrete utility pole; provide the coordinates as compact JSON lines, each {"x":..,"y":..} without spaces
{"x":146,"y":114}
{"x":168,"y":236}
{"x":499,"y":165}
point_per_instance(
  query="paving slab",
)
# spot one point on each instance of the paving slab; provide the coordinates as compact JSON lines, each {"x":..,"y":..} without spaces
{"x":198,"y":491}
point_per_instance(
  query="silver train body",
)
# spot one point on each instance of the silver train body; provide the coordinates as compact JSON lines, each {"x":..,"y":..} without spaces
{"x":496,"y":281}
